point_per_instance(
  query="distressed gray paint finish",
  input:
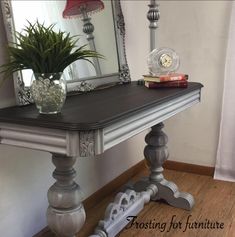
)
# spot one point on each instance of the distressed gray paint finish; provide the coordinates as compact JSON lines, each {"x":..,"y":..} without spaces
{"x":155,"y":187}
{"x":65,"y":214}
{"x":156,"y":153}
{"x":128,"y":203}
{"x":89,"y":143}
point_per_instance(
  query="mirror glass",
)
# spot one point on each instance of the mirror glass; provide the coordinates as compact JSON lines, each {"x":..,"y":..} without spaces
{"x":50,"y":12}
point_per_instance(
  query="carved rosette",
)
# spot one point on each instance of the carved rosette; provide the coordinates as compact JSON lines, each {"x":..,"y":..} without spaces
{"x":87,"y":143}
{"x":84,"y":86}
{"x":124,"y":73}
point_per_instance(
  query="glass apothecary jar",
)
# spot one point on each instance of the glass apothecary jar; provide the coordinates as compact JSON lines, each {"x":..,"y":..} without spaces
{"x":48,"y":92}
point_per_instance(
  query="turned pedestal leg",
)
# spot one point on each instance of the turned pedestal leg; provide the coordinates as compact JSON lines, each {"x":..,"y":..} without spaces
{"x":156,"y":153}
{"x":65,"y":214}
{"x":129,"y":203}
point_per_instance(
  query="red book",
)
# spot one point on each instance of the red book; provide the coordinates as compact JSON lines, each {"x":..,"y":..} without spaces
{"x":169,"y":84}
{"x":167,"y":77}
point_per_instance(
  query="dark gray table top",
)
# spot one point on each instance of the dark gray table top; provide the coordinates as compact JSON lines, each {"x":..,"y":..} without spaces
{"x":96,"y":109}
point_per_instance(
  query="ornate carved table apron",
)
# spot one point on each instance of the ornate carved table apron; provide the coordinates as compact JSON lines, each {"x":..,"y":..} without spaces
{"x":89,"y":125}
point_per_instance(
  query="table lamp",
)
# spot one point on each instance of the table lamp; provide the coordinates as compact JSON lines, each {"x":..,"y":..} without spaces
{"x":81,"y":8}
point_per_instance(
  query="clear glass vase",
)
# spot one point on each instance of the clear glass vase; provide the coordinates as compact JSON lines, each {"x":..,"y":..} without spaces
{"x":48,"y":92}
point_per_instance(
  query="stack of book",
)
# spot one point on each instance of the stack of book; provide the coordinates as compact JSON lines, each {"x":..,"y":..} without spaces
{"x":173,"y":80}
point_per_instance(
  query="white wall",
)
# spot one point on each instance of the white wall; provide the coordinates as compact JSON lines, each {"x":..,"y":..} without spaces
{"x":198,"y":31}
{"x":199,"y":27}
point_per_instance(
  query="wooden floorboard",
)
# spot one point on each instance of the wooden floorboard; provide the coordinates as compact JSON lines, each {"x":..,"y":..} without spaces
{"x":215,"y":201}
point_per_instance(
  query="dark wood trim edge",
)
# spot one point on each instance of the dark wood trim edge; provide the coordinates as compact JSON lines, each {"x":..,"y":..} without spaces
{"x":189,"y":168}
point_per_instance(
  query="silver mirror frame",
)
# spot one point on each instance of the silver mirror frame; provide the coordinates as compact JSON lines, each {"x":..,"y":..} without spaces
{"x":23,"y":95}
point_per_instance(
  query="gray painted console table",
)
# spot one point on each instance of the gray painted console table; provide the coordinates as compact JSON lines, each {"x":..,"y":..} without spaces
{"x":89,"y":125}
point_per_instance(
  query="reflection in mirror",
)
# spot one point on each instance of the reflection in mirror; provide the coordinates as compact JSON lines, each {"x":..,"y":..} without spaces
{"x":51,"y":12}
{"x":83,"y":8}
{"x":109,"y":39}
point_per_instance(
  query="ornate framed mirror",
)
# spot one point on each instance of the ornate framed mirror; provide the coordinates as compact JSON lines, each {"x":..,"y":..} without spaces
{"x":108,"y":32}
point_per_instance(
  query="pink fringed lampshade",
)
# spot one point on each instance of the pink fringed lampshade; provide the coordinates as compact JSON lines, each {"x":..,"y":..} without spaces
{"x":74,"y":7}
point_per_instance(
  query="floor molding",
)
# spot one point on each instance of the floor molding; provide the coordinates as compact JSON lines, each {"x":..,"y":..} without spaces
{"x":189,"y":168}
{"x":127,"y":175}
{"x":131,"y":172}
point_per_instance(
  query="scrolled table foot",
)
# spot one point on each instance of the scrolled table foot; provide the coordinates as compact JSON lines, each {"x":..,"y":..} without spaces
{"x":169,"y":192}
{"x":156,"y":153}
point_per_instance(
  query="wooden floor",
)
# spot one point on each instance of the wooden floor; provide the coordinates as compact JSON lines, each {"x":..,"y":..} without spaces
{"x":215,"y":202}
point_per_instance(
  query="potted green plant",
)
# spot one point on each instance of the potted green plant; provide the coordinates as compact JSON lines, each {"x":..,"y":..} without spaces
{"x":47,"y":53}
